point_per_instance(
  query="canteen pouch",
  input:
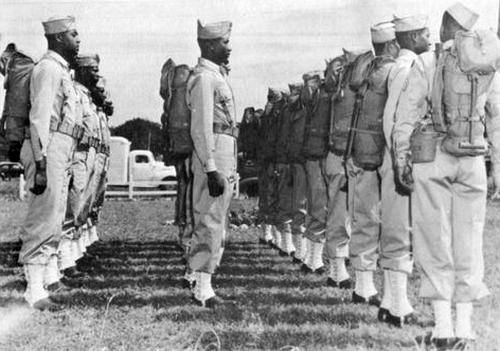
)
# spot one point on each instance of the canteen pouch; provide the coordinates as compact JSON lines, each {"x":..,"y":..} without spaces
{"x":423,"y":143}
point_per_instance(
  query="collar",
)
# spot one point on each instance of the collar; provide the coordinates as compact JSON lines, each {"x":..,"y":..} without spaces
{"x":203,"y":62}
{"x":407,"y":54}
{"x":58,"y":58}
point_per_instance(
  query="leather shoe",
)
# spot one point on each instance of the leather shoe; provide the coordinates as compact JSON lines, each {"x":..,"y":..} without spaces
{"x":47,"y":305}
{"x":345,"y":284}
{"x":213,"y":302}
{"x":373,"y":300}
{"x":384,"y":315}
{"x":437,"y":344}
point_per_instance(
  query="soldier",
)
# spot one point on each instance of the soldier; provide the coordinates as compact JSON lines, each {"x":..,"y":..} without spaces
{"x":55,"y":119}
{"x":267,"y":158}
{"x":214,"y":134}
{"x":87,"y":77}
{"x":75,"y":239}
{"x":363,"y":160}
{"x":448,"y":179}
{"x":297,"y":170}
{"x":315,"y":149}
{"x":101,"y":98}
{"x":396,"y":260}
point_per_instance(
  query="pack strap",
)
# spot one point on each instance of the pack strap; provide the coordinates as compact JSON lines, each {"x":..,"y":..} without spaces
{"x":72,"y":129}
{"x":220,"y":128}
{"x":103,"y":149}
{"x":90,"y":141}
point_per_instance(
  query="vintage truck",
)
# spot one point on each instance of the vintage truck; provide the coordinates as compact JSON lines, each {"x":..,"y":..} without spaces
{"x":137,"y":166}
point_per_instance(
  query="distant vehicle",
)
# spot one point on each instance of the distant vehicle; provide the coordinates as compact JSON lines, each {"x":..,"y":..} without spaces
{"x":136,"y":165}
{"x":9,"y":170}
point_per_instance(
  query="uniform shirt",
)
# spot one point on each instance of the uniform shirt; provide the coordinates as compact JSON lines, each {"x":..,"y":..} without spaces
{"x":105,"y":133}
{"x":90,"y":121}
{"x":210,"y":100}
{"x":396,"y":80}
{"x":53,"y":98}
{"x":413,"y":105}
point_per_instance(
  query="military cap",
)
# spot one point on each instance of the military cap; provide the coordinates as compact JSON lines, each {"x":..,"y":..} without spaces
{"x":214,"y":30}
{"x":59,"y":24}
{"x":88,"y":60}
{"x":383,"y":32}
{"x":274,"y":95}
{"x":463,"y":15}
{"x":295,"y":87}
{"x":312,"y":75}
{"x":410,"y":23}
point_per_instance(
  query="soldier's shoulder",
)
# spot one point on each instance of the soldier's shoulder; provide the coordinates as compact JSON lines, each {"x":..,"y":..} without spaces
{"x":47,"y":66}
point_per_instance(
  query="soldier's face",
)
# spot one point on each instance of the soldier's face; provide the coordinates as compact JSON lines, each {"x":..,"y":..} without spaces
{"x":71,"y":42}
{"x":222,"y":50}
{"x":423,"y":41}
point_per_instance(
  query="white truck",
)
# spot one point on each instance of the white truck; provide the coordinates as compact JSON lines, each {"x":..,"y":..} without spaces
{"x":137,"y":169}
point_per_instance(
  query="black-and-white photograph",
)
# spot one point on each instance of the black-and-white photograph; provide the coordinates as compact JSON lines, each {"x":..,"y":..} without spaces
{"x":243,"y":175}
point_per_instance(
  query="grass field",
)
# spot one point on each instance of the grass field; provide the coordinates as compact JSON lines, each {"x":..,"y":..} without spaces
{"x":133,"y":299}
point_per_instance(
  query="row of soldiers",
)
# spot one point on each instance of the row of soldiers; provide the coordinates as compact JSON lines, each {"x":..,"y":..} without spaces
{"x":355,"y":163}
{"x":65,"y":155}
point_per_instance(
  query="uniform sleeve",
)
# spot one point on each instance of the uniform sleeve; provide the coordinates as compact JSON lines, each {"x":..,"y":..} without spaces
{"x":493,"y":123}
{"x":201,"y":103}
{"x":397,"y":78}
{"x":408,"y":110}
{"x":44,"y":85}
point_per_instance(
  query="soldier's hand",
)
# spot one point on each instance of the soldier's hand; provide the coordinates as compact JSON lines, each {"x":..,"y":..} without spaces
{"x":40,"y":177}
{"x":216,"y":183}
{"x":496,"y":187}
{"x":351,"y":169}
{"x":404,"y":175}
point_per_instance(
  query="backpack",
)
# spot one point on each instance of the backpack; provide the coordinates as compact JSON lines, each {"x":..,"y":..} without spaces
{"x":352,"y":77}
{"x":458,"y":82}
{"x":176,"y":118}
{"x":15,"y":117}
{"x":368,"y":140}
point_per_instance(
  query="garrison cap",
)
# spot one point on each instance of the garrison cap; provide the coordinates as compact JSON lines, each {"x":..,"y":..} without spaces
{"x":410,"y":23}
{"x":274,"y":95}
{"x":463,"y":15}
{"x":295,"y":87}
{"x":383,"y":32}
{"x":88,"y":60}
{"x":214,"y":30}
{"x":312,"y":75}
{"x":59,"y":24}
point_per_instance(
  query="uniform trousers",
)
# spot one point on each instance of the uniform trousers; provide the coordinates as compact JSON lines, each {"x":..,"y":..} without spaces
{"x":449,"y":213}
{"x":395,"y":239}
{"x":42,"y":228}
{"x":211,"y":213}
{"x":326,"y":209}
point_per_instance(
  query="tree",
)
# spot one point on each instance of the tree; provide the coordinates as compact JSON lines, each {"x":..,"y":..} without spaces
{"x":143,"y":135}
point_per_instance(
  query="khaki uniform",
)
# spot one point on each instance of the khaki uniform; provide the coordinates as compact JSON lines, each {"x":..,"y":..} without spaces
{"x":450,"y":192}
{"x":395,"y":245}
{"x":364,"y":196}
{"x":211,"y":102}
{"x":55,"y":110}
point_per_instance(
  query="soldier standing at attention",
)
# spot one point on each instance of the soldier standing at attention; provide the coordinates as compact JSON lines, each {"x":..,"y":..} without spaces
{"x":54,"y":130}
{"x":363,"y":161}
{"x":396,"y":260}
{"x":448,"y":184}
{"x":214,"y":134}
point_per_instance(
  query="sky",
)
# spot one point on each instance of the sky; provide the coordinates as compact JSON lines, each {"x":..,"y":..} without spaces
{"x":274,"y":41}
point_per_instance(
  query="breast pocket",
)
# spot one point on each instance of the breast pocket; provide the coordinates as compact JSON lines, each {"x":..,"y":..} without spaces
{"x":224,"y":101}
{"x":71,"y":107}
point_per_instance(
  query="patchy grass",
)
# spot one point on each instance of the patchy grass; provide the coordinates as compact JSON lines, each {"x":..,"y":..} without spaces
{"x":133,"y":299}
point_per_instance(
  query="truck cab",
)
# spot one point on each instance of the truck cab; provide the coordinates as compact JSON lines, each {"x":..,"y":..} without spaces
{"x":136,"y":165}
